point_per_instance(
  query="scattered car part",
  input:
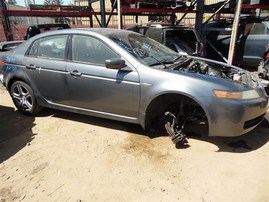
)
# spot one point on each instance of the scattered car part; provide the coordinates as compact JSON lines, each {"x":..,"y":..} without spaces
{"x":174,"y":130}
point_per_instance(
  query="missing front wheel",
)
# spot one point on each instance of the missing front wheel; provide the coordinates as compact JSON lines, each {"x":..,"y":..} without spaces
{"x":174,"y":130}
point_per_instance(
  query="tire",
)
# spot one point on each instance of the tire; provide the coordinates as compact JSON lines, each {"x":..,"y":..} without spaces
{"x":23,"y":98}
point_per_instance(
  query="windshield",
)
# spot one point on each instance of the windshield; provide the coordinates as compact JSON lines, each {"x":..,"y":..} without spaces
{"x":146,"y":50}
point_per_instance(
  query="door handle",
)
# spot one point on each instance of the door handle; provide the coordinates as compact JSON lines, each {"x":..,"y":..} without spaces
{"x":75,"y":73}
{"x":31,"y":66}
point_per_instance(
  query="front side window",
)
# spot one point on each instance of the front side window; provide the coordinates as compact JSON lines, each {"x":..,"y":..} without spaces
{"x":91,"y":50}
{"x":49,"y":47}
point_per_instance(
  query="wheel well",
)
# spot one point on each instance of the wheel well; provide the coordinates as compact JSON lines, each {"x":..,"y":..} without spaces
{"x":13,"y":80}
{"x":161,"y":104}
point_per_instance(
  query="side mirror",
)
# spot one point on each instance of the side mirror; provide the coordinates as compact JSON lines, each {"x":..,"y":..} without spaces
{"x":115,"y":63}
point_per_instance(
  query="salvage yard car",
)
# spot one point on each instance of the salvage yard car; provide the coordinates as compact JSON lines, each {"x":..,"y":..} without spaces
{"x":9,"y":45}
{"x":184,"y":40}
{"x":37,"y":29}
{"x":125,"y":76}
{"x":253,"y":36}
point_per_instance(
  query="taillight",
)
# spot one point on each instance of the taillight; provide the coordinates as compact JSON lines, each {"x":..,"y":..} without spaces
{"x":267,"y":56}
{"x":2,"y":63}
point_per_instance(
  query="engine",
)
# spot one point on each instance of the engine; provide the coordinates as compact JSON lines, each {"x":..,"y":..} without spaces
{"x":212,"y":69}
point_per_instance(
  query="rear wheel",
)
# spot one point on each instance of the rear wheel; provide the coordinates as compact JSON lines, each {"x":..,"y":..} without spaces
{"x":23,"y":98}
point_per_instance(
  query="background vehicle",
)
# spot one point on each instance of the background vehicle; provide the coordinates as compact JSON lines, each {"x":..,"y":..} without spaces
{"x":183,"y":40}
{"x":252,"y":37}
{"x":9,"y":45}
{"x":37,"y":29}
{"x":263,"y":69}
{"x":125,"y":76}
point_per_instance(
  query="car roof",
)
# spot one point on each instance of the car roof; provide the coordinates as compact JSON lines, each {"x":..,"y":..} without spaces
{"x":96,"y":31}
{"x":51,"y":25}
{"x":102,"y":31}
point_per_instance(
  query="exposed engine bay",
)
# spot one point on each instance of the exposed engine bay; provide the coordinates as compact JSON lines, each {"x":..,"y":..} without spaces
{"x":177,"y":120}
{"x":216,"y":70}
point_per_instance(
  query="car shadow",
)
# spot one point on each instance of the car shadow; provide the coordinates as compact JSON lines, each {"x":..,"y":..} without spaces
{"x":248,"y":142}
{"x":107,"y":123}
{"x":15,"y":132}
{"x":245,"y":143}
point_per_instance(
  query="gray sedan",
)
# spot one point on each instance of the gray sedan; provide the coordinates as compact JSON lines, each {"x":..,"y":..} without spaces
{"x":125,"y":76}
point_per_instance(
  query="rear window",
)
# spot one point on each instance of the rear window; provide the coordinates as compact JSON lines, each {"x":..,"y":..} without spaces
{"x":258,"y":29}
{"x":186,"y":39}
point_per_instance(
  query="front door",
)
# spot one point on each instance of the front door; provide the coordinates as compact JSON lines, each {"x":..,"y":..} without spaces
{"x":94,"y":87}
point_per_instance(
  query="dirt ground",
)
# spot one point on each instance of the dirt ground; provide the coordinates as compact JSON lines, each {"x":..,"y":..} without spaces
{"x":60,"y":156}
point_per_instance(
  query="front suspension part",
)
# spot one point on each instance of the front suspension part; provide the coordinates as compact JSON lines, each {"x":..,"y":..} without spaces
{"x":174,"y":130}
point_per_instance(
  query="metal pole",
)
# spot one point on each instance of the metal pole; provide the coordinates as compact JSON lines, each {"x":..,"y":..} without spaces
{"x":189,"y":8}
{"x":199,"y":16}
{"x":217,"y":11}
{"x":119,"y":13}
{"x":234,"y":32}
{"x":114,"y":4}
{"x":103,"y":13}
{"x":6,"y":22}
{"x":90,"y":17}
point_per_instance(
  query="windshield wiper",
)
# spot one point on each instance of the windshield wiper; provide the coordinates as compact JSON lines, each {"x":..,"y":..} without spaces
{"x":158,"y":62}
{"x":179,"y":57}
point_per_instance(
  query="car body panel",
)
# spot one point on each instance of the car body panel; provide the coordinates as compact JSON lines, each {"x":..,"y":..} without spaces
{"x":49,"y":77}
{"x":9,"y":45}
{"x":126,"y":94}
{"x":112,"y":84}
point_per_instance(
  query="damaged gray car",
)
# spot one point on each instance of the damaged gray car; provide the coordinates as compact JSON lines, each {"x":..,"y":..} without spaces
{"x":125,"y":76}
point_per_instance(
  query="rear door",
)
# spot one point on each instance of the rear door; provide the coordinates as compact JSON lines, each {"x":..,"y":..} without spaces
{"x":46,"y":66}
{"x":94,"y":87}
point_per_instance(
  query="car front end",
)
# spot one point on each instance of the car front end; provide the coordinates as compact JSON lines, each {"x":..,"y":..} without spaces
{"x":231,"y":114}
{"x":238,"y":102}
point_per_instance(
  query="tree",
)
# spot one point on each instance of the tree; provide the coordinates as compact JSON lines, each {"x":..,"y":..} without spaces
{"x":53,"y":2}
{"x":47,"y":2}
{"x":57,"y":2}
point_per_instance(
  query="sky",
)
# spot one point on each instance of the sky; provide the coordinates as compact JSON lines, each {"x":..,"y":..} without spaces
{"x":22,"y":2}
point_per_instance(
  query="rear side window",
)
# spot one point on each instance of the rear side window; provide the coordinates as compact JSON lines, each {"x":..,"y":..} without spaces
{"x":49,"y":47}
